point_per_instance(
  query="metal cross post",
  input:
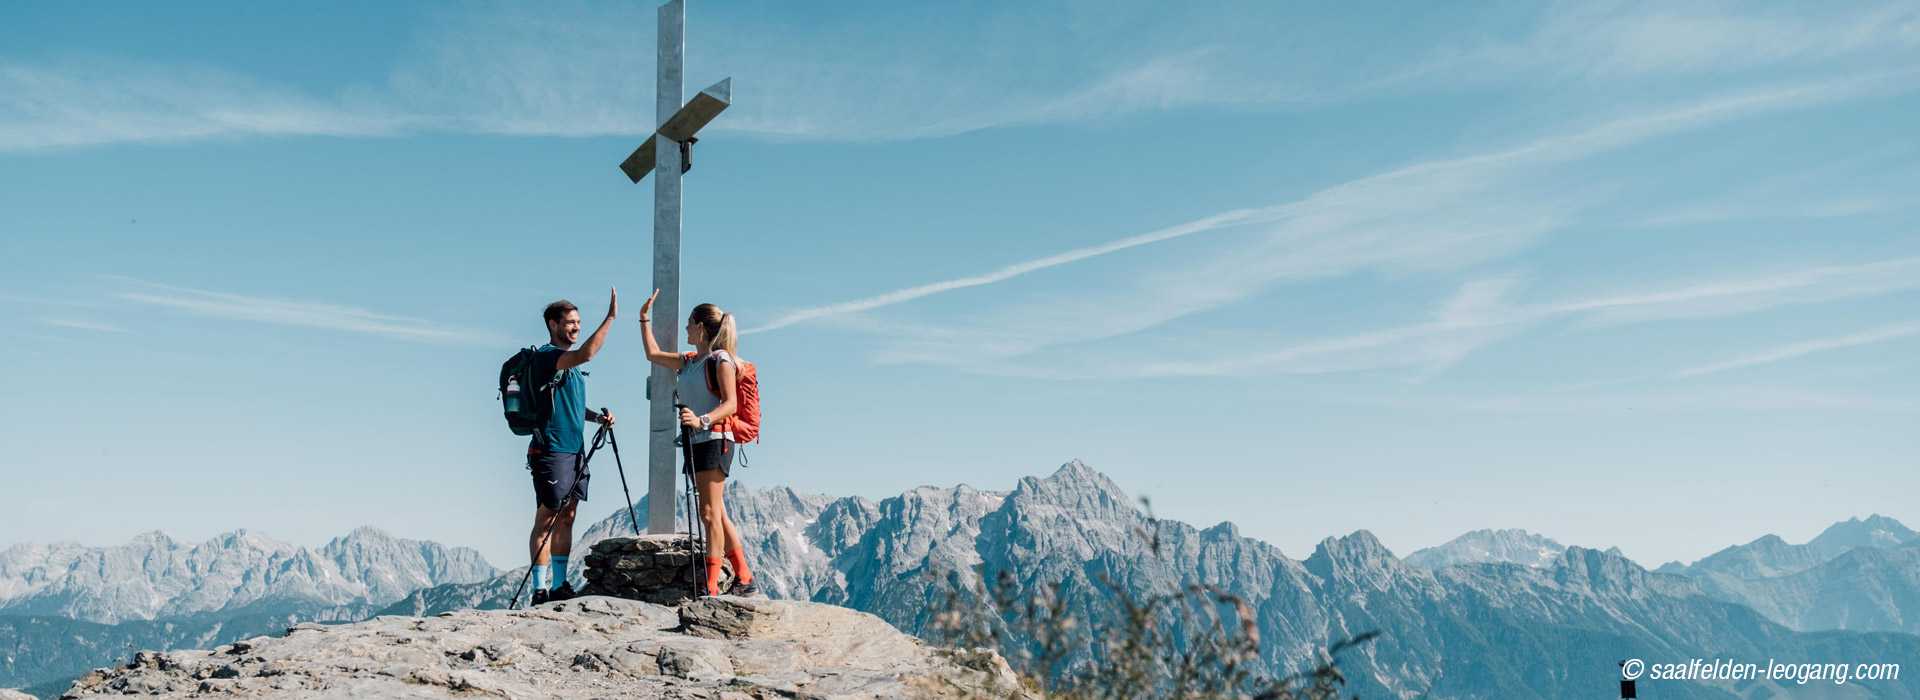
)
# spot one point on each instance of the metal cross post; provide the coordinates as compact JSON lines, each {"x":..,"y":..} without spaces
{"x":667,"y":154}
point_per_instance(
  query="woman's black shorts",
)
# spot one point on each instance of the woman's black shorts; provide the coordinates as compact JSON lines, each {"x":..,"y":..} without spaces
{"x":714,"y":454}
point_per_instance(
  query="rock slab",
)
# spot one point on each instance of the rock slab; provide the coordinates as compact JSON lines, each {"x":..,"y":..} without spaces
{"x":589,"y":647}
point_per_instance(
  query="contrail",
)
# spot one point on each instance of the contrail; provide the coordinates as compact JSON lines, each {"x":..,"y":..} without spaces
{"x":1788,"y":352}
{"x":1211,"y":223}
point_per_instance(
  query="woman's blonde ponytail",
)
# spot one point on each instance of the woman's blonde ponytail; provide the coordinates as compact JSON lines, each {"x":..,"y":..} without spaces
{"x":727,"y":337}
{"x":722,"y":332}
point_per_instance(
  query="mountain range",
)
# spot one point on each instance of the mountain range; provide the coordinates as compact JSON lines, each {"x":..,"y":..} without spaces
{"x":155,"y":577}
{"x":1474,"y":618}
{"x":1493,"y":614}
{"x":65,"y":608}
{"x":1858,"y":574}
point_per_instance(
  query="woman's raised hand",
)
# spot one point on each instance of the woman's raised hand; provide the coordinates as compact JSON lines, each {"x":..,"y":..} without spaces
{"x":646,"y":309}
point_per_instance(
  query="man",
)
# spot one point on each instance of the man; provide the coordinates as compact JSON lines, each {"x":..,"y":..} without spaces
{"x":554,"y":456}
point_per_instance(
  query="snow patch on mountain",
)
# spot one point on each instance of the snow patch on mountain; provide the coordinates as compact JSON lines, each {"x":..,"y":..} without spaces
{"x":1511,"y":546}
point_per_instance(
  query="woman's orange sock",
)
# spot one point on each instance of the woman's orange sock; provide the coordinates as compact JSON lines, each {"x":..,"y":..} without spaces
{"x":740,"y":570}
{"x":713,"y":575}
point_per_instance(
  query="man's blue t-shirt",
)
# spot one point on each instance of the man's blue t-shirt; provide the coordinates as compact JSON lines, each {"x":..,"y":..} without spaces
{"x":565,"y":427}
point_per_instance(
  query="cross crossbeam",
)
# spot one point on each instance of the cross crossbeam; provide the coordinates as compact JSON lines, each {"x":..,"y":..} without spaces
{"x":680,"y":127}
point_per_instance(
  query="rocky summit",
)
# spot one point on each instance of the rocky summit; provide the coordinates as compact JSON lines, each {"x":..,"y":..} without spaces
{"x":712,"y":648}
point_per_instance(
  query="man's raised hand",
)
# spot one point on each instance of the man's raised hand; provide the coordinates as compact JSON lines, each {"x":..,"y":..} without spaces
{"x":613,"y":302}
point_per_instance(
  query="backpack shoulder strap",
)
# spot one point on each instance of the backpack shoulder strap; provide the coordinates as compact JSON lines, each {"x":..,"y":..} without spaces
{"x":713,"y":373}
{"x":713,"y":378}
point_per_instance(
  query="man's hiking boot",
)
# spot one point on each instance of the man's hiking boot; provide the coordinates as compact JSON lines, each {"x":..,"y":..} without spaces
{"x":540,"y":597}
{"x":564,"y":592}
{"x":742,"y":589}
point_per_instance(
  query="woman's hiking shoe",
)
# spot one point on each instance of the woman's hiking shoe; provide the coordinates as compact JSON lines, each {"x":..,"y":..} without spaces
{"x":742,"y":589}
{"x":564,"y":592}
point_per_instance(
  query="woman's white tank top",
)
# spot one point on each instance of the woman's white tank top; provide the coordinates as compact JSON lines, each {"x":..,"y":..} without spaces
{"x":691,"y":384}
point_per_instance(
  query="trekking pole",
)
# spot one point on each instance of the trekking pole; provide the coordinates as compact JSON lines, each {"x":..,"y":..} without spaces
{"x":614,"y":441}
{"x":600,"y":437}
{"x":695,"y":558}
{"x":546,"y":539}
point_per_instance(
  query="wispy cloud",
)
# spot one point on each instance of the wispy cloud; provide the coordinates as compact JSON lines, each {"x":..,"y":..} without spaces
{"x":98,"y":102}
{"x":578,"y":70}
{"x":38,"y":339}
{"x":1474,"y":316}
{"x":1714,"y":400}
{"x":1836,"y":208}
{"x":1436,"y":215}
{"x":40,"y":301}
{"x":1615,"y":41}
{"x":570,"y":70}
{"x":84,"y":325}
{"x":847,"y":77}
{"x":1787,"y":352}
{"x":1828,"y":188}
{"x":1479,"y":314}
{"x":1740,"y":295}
{"x":306,"y":314}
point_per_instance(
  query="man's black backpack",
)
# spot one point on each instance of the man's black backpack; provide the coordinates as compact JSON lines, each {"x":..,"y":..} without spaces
{"x":527,"y":400}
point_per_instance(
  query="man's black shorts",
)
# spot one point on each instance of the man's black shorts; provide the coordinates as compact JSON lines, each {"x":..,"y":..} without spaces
{"x":555,"y":475}
{"x":714,"y":454}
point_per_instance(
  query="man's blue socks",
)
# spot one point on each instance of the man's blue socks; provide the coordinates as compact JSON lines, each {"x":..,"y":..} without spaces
{"x":540,"y":582}
{"x":559,"y":575}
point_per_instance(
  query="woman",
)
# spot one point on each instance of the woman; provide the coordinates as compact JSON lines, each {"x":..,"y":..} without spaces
{"x":704,"y":412}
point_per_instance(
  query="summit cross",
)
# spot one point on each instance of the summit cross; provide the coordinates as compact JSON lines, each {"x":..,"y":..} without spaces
{"x":668,"y":155}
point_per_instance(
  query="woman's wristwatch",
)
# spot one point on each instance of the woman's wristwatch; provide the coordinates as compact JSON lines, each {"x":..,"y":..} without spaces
{"x":706,"y":423}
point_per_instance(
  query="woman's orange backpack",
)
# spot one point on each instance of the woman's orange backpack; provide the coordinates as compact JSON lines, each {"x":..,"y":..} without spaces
{"x":744,"y":424}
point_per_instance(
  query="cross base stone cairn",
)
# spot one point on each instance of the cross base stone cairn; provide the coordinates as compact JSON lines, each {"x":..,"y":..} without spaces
{"x":653,"y":568}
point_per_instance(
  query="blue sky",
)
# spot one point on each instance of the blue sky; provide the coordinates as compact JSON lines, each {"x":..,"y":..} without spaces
{"x":1605,"y":272}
